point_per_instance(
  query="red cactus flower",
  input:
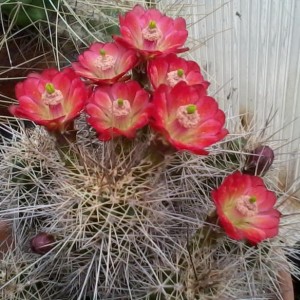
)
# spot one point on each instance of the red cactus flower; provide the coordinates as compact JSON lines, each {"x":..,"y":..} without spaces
{"x":187,"y":118}
{"x":52,"y":99}
{"x":172,"y":69}
{"x":119,"y":109}
{"x":151,"y":33}
{"x":245,"y":208}
{"x":105,"y":63}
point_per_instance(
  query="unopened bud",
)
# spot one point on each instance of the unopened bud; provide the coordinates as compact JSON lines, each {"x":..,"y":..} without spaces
{"x":42,"y":243}
{"x":259,"y":161}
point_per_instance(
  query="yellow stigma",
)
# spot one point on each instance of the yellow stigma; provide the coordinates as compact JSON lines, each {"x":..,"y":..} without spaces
{"x":102,"y":52}
{"x":252,"y":199}
{"x":190,"y":109}
{"x":49,"y":87}
{"x":120,"y":102}
{"x":180,"y":72}
{"x":152,"y":24}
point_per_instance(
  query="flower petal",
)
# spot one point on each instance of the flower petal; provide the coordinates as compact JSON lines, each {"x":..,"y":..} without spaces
{"x":254,"y":221}
{"x":106,"y":68}
{"x":71,"y":94}
{"x":268,"y":220}
{"x":166,"y":104}
{"x":172,"y":33}
{"x":103,"y":107}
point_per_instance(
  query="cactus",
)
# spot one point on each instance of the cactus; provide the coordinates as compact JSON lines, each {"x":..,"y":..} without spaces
{"x":26,"y":12}
{"x":124,"y":226}
{"x":128,"y":218}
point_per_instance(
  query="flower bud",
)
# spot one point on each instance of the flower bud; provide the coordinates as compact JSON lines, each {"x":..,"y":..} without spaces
{"x":259,"y":161}
{"x":42,"y":243}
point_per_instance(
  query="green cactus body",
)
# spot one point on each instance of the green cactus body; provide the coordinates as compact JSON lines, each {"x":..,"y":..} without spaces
{"x":25,"y":12}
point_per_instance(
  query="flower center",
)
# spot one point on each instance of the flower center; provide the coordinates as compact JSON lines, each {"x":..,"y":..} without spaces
{"x":104,"y":61}
{"x":174,"y":77}
{"x":120,"y":108}
{"x":187,"y":116}
{"x":247,"y":206}
{"x":51,"y":96}
{"x":151,"y":32}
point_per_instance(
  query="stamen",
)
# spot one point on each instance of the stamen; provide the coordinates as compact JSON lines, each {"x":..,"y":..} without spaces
{"x":247,"y":206}
{"x":51,"y":96}
{"x":120,"y":108}
{"x":187,"y":116}
{"x":151,"y":32}
{"x":105,"y":61}
{"x":174,"y":77}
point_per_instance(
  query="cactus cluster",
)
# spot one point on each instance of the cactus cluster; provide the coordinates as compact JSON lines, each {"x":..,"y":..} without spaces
{"x":92,"y":217}
{"x":123,"y":224}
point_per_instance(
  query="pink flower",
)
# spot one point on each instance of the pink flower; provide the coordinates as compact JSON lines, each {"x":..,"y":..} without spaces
{"x":52,"y":99}
{"x":187,"y":118}
{"x":172,"y":69}
{"x":105,"y":63}
{"x":119,"y":109}
{"x":151,"y":33}
{"x":245,"y":208}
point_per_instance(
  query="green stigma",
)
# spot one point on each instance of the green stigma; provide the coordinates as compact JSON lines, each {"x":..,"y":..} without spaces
{"x":120,"y":102}
{"x":152,"y":24}
{"x":49,"y":87}
{"x":190,"y":109}
{"x":252,"y":199}
{"x":102,"y":52}
{"x":180,"y":72}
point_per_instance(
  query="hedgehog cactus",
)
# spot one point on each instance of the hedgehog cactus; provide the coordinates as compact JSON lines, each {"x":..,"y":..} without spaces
{"x":129,"y":207}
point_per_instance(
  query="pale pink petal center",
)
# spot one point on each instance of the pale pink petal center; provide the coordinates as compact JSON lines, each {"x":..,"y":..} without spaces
{"x":120,"y":108}
{"x":151,"y":32}
{"x":173,"y":78}
{"x":53,"y":98}
{"x":186,"y":118}
{"x":246,"y":207}
{"x":105,"y":62}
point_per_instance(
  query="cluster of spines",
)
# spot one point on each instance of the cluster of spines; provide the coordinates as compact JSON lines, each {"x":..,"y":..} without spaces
{"x":127,"y":231}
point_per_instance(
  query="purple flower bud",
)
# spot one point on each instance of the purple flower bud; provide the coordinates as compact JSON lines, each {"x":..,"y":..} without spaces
{"x":259,"y":161}
{"x":42,"y":243}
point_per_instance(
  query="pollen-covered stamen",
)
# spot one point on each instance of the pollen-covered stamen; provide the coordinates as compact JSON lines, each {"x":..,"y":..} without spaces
{"x":247,"y":206}
{"x":105,"y":61}
{"x":120,"y":108}
{"x":51,"y":96}
{"x":174,"y":77}
{"x":187,"y":116}
{"x":151,"y":32}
